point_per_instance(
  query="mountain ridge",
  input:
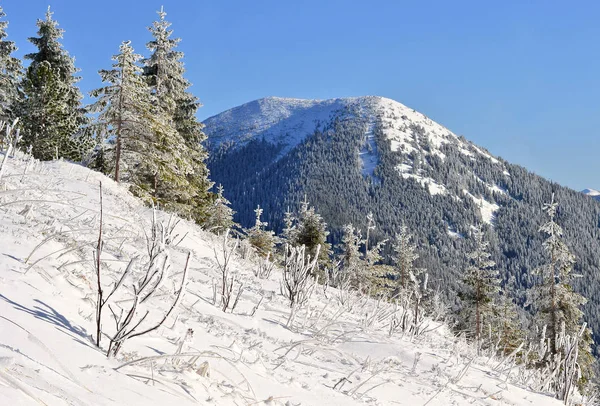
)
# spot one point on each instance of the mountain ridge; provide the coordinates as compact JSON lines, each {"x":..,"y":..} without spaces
{"x":352,"y":156}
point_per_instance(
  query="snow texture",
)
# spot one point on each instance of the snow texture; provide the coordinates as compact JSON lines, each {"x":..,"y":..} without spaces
{"x":48,"y":228}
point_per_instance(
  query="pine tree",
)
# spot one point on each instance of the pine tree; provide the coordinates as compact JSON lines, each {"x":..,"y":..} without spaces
{"x":259,"y":237}
{"x":482,"y":284}
{"x":164,"y":71}
{"x":558,"y":305}
{"x":11,"y":72}
{"x":52,"y":116}
{"x":221,"y":214}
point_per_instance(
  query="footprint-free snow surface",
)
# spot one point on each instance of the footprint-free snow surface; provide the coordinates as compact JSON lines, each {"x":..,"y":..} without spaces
{"x":329,"y":355}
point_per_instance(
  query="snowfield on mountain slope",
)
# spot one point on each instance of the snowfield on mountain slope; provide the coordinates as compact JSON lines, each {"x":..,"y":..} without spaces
{"x":49,"y":220}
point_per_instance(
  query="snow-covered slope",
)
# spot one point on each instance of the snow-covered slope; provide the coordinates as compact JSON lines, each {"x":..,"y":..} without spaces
{"x":592,"y":193}
{"x":49,"y":221}
{"x":277,"y":120}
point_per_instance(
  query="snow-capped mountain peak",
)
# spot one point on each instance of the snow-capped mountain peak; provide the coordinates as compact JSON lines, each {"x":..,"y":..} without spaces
{"x":592,"y":193}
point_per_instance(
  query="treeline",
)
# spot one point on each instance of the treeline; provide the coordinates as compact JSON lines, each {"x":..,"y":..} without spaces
{"x":141,"y":129}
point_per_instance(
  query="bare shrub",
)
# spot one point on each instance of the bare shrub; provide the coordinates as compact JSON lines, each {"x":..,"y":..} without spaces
{"x":264,"y":268}
{"x":228,"y":278}
{"x":297,"y":283}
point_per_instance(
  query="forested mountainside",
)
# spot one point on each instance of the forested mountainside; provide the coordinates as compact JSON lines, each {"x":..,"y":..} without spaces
{"x":354,"y":155}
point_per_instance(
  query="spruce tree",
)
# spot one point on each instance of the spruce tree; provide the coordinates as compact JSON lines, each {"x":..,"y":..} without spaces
{"x":558,"y":305}
{"x":404,"y":256}
{"x":128,"y":116}
{"x":52,"y":115}
{"x":312,"y":232}
{"x":124,"y":108}
{"x":259,"y":237}
{"x":11,"y":72}
{"x":164,"y":72}
{"x":482,"y":285}
{"x":220,"y":216}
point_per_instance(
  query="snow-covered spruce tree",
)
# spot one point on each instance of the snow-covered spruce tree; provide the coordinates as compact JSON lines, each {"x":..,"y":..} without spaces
{"x":124,"y":110}
{"x":507,"y":333}
{"x":311,"y":231}
{"x":482,"y":284}
{"x":11,"y":73}
{"x":220,"y":215}
{"x":558,"y":306}
{"x":128,"y":116}
{"x":351,"y":241}
{"x":164,"y":73}
{"x":52,"y":117}
{"x":405,"y":255}
{"x":260,"y":238}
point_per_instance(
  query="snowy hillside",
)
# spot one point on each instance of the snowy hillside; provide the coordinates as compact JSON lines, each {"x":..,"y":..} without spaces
{"x":332,"y":354}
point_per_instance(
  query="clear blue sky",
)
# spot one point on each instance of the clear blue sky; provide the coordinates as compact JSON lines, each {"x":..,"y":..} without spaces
{"x":520,"y":78}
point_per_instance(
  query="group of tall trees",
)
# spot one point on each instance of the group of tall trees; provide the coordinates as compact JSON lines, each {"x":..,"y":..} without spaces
{"x":142,"y":128}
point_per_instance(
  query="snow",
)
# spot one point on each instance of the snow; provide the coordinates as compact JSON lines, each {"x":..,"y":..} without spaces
{"x":486,"y":209}
{"x":48,"y":230}
{"x":592,"y":193}
{"x":288,"y":121}
{"x":278,"y":120}
{"x":432,"y":186}
{"x":368,"y":155}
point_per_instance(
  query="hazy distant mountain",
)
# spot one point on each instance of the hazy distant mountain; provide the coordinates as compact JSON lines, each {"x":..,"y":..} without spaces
{"x":350,"y":156}
{"x":592,"y":193}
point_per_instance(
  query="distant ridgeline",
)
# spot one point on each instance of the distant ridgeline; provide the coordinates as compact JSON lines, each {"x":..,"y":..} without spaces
{"x":355,"y":155}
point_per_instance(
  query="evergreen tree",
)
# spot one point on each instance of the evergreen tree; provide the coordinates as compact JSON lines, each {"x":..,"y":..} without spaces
{"x":164,"y":71}
{"x":558,"y":305}
{"x":220,"y":215}
{"x":259,"y":237}
{"x":507,"y":328}
{"x":128,"y":117}
{"x":125,"y":111}
{"x":482,"y":285}
{"x":351,"y":241}
{"x":52,"y":115}
{"x":11,"y":72}
{"x":312,"y":232}
{"x":405,"y":256}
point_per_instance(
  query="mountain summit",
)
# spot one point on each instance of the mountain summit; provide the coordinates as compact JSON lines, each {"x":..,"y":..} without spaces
{"x":592,"y":193}
{"x":352,"y":156}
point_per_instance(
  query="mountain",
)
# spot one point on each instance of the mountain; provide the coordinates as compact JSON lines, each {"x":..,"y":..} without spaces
{"x":592,"y":193}
{"x":350,"y":156}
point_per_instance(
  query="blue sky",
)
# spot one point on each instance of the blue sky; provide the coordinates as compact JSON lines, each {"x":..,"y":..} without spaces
{"x":520,"y":78}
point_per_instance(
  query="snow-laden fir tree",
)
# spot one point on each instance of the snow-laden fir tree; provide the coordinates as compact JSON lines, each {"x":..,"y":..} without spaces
{"x":506,"y":330}
{"x":138,"y":129}
{"x":260,"y":238}
{"x":52,"y":117}
{"x":405,"y":255}
{"x":11,"y":73}
{"x":351,"y":242}
{"x":164,"y":73}
{"x":351,"y":257}
{"x":557,"y":304}
{"x":311,"y":231}
{"x":482,"y":284}
{"x":220,"y":216}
